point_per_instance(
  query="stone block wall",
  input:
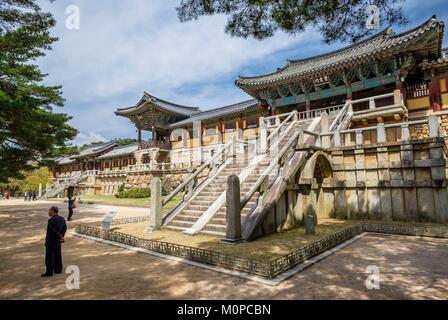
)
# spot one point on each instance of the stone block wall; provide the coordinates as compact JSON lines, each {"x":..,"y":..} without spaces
{"x":395,"y":181}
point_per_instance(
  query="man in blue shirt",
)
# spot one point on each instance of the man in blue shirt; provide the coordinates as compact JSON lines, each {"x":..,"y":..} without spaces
{"x":71,"y":202}
{"x":56,"y":229}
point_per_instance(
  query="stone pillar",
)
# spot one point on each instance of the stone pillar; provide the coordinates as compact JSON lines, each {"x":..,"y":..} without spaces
{"x":337,"y":138}
{"x":233,"y":210}
{"x":359,"y":138}
{"x":325,"y":127}
{"x":410,"y":191}
{"x":434,"y":127}
{"x":384,"y":180}
{"x":398,"y":97}
{"x":381,"y":133}
{"x":311,"y":212}
{"x":405,"y":134}
{"x":40,"y":190}
{"x":155,"y":219}
{"x":263,"y":136}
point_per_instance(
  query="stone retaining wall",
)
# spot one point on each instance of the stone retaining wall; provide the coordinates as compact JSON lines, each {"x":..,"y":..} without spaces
{"x":394,"y":181}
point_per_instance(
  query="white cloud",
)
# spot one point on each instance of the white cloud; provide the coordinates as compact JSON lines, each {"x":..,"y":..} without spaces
{"x":123,"y":47}
{"x":126,"y":47}
{"x":86,"y":138}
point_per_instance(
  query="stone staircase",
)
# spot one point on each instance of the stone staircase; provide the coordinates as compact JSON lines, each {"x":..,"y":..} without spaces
{"x":200,"y":203}
{"x":205,"y":199}
{"x":217,"y":225}
{"x":55,"y":189}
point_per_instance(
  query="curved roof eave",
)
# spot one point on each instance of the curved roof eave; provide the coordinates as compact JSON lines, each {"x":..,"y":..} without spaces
{"x":160,"y":104}
{"x":245,"y":83}
{"x":219,"y":112}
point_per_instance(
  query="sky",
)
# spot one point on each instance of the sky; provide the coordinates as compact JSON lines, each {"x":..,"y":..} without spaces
{"x":125,"y":47}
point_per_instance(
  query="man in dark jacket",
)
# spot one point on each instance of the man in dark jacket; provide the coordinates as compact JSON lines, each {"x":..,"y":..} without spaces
{"x":56,"y":229}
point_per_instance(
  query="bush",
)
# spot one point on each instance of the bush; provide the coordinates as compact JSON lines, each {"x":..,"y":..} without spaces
{"x":134,"y":193}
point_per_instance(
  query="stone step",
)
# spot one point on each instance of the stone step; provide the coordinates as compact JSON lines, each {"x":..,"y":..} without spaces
{"x":189,"y":218}
{"x":211,"y":193}
{"x":201,"y":198}
{"x":215,"y":227}
{"x":214,"y":233}
{"x":197,"y":208}
{"x":180,"y":223}
{"x":175,"y":228}
{"x":189,"y":212}
{"x":202,"y":203}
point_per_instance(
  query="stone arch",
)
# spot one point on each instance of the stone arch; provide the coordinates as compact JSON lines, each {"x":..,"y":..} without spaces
{"x":320,"y":162}
{"x":319,"y":201}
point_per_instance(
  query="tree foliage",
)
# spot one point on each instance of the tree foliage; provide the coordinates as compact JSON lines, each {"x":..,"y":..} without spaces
{"x":29,"y":181}
{"x":29,"y":130}
{"x":336,"y":20}
{"x":125,"y":141}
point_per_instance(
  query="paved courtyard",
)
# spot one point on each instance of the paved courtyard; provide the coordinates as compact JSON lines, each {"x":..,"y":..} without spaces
{"x":410,"y":267}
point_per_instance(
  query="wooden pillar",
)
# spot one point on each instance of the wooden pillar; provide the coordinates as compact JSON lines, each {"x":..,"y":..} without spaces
{"x":349,"y":92}
{"x":307,"y":102}
{"x":399,"y":85}
{"x":139,"y":135}
{"x":434,"y":93}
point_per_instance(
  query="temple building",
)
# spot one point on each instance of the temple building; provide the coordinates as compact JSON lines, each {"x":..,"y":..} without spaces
{"x":348,"y":131}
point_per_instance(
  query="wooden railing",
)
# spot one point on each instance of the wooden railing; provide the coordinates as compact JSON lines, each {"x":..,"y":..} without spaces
{"x":417,"y":90}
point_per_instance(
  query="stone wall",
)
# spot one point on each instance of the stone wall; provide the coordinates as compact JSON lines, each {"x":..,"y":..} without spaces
{"x":399,"y":181}
{"x":394,"y":181}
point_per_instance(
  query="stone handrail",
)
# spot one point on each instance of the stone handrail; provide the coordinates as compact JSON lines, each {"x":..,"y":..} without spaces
{"x":292,"y":116}
{"x":397,"y":95}
{"x":432,"y":121}
{"x":340,"y":117}
{"x":308,"y":114}
{"x":191,"y":180}
{"x":279,"y":161}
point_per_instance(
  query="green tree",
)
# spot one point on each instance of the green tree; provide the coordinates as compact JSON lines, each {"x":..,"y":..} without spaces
{"x":343,"y":20}
{"x":29,"y":181}
{"x":125,"y":141}
{"x":29,"y":130}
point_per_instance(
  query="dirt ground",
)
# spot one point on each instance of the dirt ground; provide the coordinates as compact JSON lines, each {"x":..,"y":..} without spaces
{"x":410,"y":267}
{"x":267,"y":248}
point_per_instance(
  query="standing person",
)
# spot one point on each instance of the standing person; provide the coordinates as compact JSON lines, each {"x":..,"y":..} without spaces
{"x":56,"y":229}
{"x":26,"y":195}
{"x":34,"y":195}
{"x":71,"y":206}
{"x":8,"y":194}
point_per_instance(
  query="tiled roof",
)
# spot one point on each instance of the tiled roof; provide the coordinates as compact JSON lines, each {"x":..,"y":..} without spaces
{"x":96,"y":149}
{"x":120,"y":151}
{"x":64,"y":160}
{"x":147,"y":100}
{"x":378,"y":46}
{"x":219,"y":112}
{"x":443,"y":60}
